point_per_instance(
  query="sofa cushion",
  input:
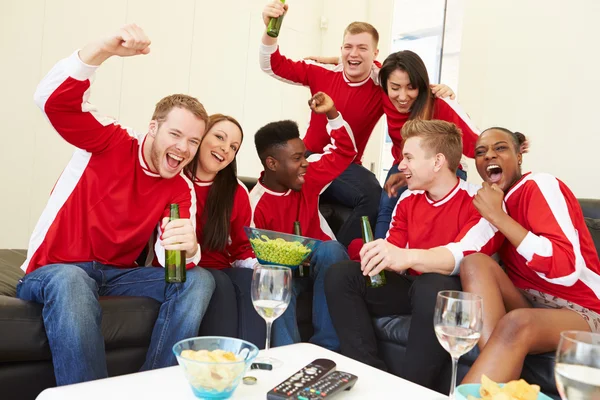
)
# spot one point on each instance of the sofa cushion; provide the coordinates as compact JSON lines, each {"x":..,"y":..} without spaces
{"x":10,"y":270}
{"x":593,"y":225}
{"x":126,"y":322}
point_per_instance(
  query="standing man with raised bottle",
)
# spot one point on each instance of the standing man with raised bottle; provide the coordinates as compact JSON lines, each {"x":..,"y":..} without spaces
{"x":113,"y":194}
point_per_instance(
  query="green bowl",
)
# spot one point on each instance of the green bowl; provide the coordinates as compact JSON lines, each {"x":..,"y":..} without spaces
{"x":291,"y":251}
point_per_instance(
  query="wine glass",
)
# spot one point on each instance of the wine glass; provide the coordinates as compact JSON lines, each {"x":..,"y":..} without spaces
{"x":457,"y":321}
{"x":271,"y":293}
{"x":577,"y":369}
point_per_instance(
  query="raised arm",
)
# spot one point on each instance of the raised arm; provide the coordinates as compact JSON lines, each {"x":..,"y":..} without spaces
{"x":449,"y":110}
{"x":337,"y":156}
{"x":63,"y":93}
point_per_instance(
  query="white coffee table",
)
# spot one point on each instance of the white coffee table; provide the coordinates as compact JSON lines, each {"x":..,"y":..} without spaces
{"x":169,"y":383}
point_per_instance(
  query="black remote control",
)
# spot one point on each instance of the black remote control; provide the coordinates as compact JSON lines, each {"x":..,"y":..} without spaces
{"x":308,"y":375}
{"x":328,"y":386}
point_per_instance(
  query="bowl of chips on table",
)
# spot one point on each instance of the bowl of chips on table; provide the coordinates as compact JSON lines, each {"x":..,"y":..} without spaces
{"x":214,"y":365}
{"x":490,"y":390}
{"x":277,"y":248}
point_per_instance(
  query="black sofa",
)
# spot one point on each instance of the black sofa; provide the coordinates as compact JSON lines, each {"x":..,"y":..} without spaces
{"x":25,"y":360}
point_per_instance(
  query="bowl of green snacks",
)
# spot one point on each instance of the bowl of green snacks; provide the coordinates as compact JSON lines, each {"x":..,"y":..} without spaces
{"x":276,"y":248}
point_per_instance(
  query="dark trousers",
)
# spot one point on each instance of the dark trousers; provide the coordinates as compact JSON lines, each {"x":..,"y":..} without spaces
{"x":352,"y":305}
{"x":355,"y":188}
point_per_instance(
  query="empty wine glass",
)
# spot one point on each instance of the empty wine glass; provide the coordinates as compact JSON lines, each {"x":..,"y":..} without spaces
{"x":457,"y":321}
{"x":577,"y":369}
{"x":271,"y":293}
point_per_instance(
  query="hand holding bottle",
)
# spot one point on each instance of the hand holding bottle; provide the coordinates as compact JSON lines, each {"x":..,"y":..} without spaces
{"x":274,"y":9}
{"x":381,"y":255}
{"x":179,"y":234}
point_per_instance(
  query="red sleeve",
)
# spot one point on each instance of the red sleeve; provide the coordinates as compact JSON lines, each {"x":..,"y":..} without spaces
{"x":476,"y":236}
{"x":552,"y":247}
{"x":185,"y":196}
{"x":239,"y":248}
{"x":336,"y":157}
{"x":398,"y":232}
{"x":63,"y":96}
{"x":284,"y":69}
{"x":451,"y":111}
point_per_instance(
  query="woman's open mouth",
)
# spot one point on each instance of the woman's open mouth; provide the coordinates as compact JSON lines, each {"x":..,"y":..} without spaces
{"x":494,"y":173}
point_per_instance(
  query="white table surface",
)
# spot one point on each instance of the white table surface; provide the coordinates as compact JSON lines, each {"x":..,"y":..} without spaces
{"x":170,"y":383}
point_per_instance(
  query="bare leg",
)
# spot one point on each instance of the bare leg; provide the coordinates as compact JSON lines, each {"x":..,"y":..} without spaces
{"x":481,"y":275}
{"x":518,"y":333}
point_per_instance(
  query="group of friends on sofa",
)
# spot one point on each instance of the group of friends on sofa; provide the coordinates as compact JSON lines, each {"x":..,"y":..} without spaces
{"x":434,"y":231}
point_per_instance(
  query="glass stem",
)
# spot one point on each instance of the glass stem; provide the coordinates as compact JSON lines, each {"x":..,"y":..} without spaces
{"x":453,"y":381}
{"x":268,"y":342}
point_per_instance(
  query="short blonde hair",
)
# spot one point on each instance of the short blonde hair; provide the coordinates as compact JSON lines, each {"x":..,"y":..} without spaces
{"x":438,"y":137}
{"x":166,"y":104}
{"x":358,"y":27}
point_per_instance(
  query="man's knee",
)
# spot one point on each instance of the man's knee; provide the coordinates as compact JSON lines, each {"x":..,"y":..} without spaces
{"x":201,"y":281}
{"x":342,"y":275}
{"x":425,"y":288}
{"x":68,"y":279}
{"x":329,"y":253}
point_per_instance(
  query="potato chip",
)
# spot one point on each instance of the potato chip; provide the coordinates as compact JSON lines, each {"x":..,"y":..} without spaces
{"x":513,"y":390}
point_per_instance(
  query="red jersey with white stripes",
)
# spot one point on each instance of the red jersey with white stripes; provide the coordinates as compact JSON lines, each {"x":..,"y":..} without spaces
{"x":443,"y":109}
{"x":277,"y":211}
{"x":107,"y":202}
{"x":359,"y":102}
{"x":238,"y":252}
{"x":558,"y":256}
{"x":452,"y":222}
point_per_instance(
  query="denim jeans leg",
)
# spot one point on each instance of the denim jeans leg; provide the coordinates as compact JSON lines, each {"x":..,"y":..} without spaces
{"x":183,"y":305}
{"x":386,"y":207}
{"x":328,"y":253}
{"x":358,"y":189}
{"x":72,"y":316}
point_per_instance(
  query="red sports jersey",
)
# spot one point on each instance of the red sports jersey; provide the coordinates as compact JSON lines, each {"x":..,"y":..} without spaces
{"x":106,"y":203}
{"x":452,"y":222}
{"x":445,"y":110}
{"x":278,"y":211}
{"x":359,"y":102}
{"x":238,"y":252}
{"x":557,"y":256}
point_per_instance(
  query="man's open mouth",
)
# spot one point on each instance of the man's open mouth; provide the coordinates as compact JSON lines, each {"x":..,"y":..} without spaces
{"x":173,"y":160}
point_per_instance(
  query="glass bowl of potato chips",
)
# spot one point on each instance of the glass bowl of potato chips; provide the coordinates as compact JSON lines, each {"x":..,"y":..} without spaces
{"x":276,"y":248}
{"x":214,"y":365}
{"x":490,"y":390}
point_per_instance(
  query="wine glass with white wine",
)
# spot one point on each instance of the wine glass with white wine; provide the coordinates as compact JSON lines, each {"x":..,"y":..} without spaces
{"x":457,"y":321}
{"x":271,"y":293}
{"x":577,"y":369}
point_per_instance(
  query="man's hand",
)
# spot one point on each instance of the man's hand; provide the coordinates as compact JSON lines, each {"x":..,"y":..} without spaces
{"x":274,"y":9}
{"x":179,"y":234}
{"x":321,"y":103}
{"x":129,"y":41}
{"x":394,"y":182}
{"x":442,"y":91}
{"x":324,"y":59}
{"x":488,"y":201}
{"x":379,"y":255}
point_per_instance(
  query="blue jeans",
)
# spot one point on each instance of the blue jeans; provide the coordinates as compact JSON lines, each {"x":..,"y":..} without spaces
{"x":356,"y":188}
{"x":72,"y":314}
{"x":387,"y":204}
{"x":285,"y":328}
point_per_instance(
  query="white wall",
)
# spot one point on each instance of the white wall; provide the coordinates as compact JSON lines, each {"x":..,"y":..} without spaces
{"x":532,"y":66}
{"x":208,"y":49}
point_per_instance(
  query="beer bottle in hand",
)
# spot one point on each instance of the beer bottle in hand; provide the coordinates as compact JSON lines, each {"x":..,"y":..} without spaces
{"x":174,"y":259}
{"x":275,"y":25}
{"x":367,"y":234}
{"x":298,"y":232}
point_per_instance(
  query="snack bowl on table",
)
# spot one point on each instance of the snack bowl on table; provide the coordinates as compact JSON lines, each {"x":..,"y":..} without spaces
{"x":276,"y":248}
{"x":473,"y":389}
{"x":214,"y":365}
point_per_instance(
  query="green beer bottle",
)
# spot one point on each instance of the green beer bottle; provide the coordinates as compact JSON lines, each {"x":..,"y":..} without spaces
{"x":298,"y":232}
{"x":275,"y":25}
{"x":174,"y":259}
{"x":367,"y":234}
